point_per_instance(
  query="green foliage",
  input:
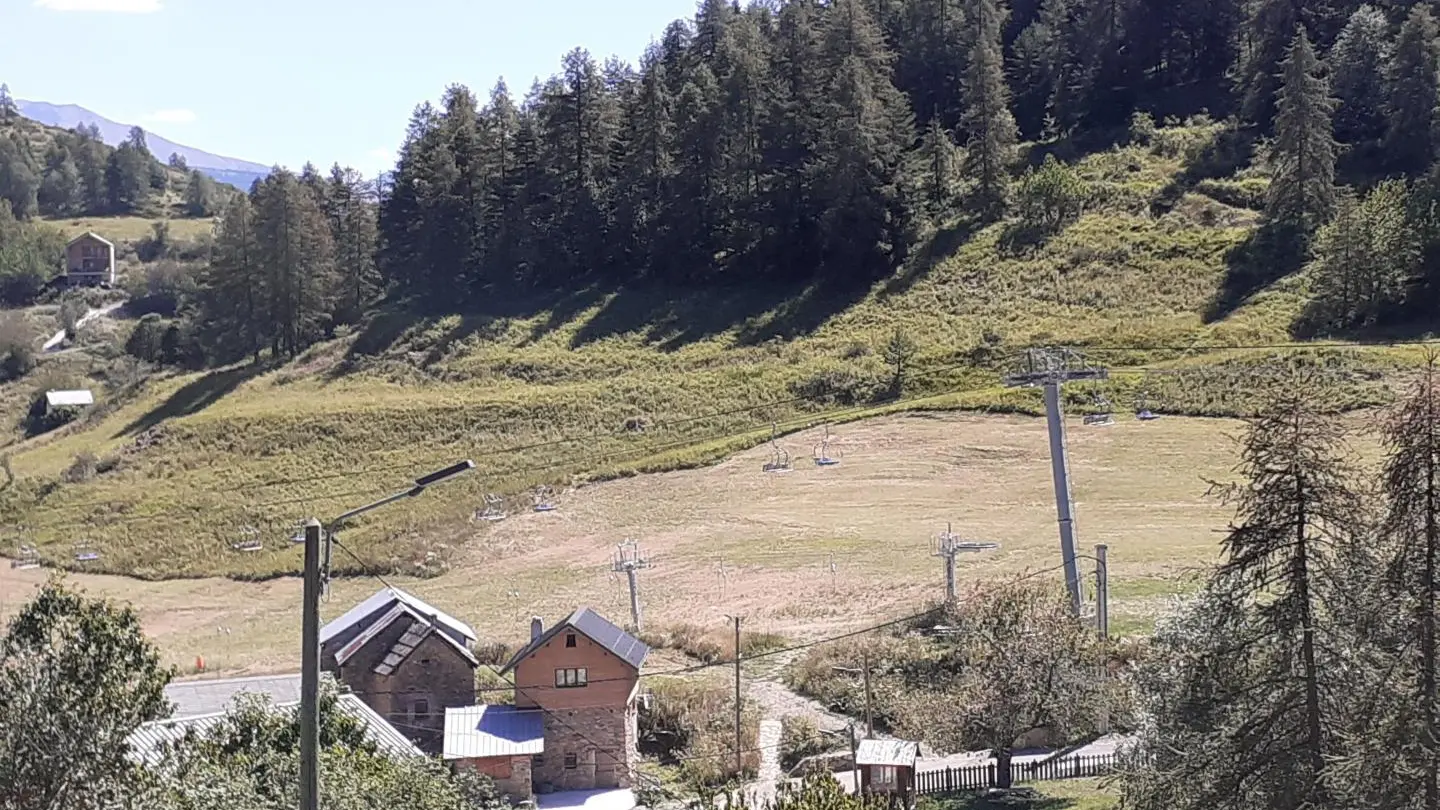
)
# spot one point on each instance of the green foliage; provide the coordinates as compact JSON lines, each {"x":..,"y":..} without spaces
{"x":800,"y":739}
{"x":77,"y":676}
{"x":1414,"y":91}
{"x":1302,"y":191}
{"x":693,"y":721}
{"x":1357,"y":64}
{"x":987,"y":122}
{"x":30,"y":256}
{"x":1366,"y":261}
{"x":1051,"y":197}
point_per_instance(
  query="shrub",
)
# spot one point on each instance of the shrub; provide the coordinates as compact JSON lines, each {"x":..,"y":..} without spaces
{"x":693,"y":721}
{"x":800,"y":738}
{"x":710,"y":645}
{"x":83,"y":468}
{"x":841,"y":385}
{"x":1051,"y":197}
{"x":1142,"y":128}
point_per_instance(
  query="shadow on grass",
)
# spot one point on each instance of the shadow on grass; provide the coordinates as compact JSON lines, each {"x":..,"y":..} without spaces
{"x":803,"y":314}
{"x":195,"y":397}
{"x":939,"y":247}
{"x":1021,"y":798}
{"x":1231,"y":150}
{"x":671,"y":318}
{"x":1268,"y":254}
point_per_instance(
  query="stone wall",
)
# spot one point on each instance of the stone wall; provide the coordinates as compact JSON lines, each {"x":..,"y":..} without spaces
{"x":601,"y":742}
{"x":510,"y":774}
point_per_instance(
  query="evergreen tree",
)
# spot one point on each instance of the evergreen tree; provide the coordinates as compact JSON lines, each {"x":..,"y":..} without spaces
{"x":1302,"y":188}
{"x":352,"y":228}
{"x":8,"y":110}
{"x":297,"y":255}
{"x":1366,"y":259}
{"x":1270,"y":32}
{"x":202,"y":197}
{"x":1414,"y":93}
{"x":127,"y":178}
{"x":1357,"y":64}
{"x":937,"y":172}
{"x":988,"y":126}
{"x":60,"y":190}
{"x":235,"y":298}
{"x":19,"y":182}
{"x":177,"y":161}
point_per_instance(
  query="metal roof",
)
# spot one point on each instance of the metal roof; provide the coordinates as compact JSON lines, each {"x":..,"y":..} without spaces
{"x":887,"y":752}
{"x":383,"y":599}
{"x":148,"y":741}
{"x":90,"y":235}
{"x":418,"y":631}
{"x":598,"y":629}
{"x":204,"y":697}
{"x":78,"y":397}
{"x":473,"y":732}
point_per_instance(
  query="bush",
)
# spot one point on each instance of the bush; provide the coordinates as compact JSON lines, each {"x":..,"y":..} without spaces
{"x":1248,"y":193}
{"x":83,"y":468}
{"x":842,"y":385}
{"x":800,"y":739}
{"x":693,"y":722}
{"x":710,"y":645}
{"x":1051,"y":197}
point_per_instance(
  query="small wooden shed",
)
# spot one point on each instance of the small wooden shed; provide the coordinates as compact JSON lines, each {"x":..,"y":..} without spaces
{"x":887,"y":768}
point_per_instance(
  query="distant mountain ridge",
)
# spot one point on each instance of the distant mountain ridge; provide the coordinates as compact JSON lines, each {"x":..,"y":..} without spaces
{"x":236,"y":172}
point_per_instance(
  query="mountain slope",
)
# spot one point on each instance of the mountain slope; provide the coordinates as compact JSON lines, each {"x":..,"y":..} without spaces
{"x":239,"y":173}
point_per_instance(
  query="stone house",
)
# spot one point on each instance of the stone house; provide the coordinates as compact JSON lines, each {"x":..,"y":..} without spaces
{"x":887,"y":769}
{"x":406,"y":660}
{"x":89,"y":261}
{"x":577,"y":684}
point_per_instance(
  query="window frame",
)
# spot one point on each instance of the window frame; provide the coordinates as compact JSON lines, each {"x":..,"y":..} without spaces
{"x":887,"y":775}
{"x":570,"y":642}
{"x":571,"y":677}
{"x":572,"y":762}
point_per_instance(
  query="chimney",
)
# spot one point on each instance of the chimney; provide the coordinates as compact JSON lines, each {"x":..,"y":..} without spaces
{"x":537,"y":627}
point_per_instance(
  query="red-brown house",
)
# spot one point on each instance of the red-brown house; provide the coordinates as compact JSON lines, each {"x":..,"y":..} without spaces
{"x":887,"y":768}
{"x":577,"y":684}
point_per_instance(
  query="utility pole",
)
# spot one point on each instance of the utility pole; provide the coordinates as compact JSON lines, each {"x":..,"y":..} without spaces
{"x":864,"y":673}
{"x":1102,"y":591}
{"x":1050,"y":368}
{"x":739,"y":758}
{"x":310,"y":673}
{"x":949,"y":544}
{"x":629,"y":560}
{"x":315,"y":533}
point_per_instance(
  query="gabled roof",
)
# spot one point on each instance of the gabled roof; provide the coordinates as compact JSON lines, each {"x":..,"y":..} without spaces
{"x":90,"y":235}
{"x":887,"y":752}
{"x":598,"y":629}
{"x":419,"y":630}
{"x":203,"y":697}
{"x":146,"y":742}
{"x":473,"y":732}
{"x":384,"y":598}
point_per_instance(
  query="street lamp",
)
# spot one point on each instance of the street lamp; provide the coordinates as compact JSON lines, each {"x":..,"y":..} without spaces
{"x":310,"y":646}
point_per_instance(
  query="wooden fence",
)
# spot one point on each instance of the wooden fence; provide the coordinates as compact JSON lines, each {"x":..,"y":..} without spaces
{"x":981,"y":777}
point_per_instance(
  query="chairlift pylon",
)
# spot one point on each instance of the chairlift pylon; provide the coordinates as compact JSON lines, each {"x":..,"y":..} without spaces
{"x":821,"y":452}
{"x":543,"y":503}
{"x":779,"y":457}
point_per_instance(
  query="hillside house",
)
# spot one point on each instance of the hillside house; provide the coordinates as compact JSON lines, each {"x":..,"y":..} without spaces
{"x":887,"y":769}
{"x":89,"y":261}
{"x":574,"y":723}
{"x":408,"y":661}
{"x":201,"y":704}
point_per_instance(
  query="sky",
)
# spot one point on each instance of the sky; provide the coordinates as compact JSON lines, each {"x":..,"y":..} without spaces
{"x":286,"y":81}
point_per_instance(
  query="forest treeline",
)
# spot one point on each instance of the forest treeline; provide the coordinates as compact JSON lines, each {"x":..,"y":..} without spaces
{"x":77,"y":174}
{"x":799,"y":142}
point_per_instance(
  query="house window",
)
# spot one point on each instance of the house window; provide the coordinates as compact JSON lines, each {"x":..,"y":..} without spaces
{"x":571,"y":762}
{"x":884,"y":774}
{"x":570,"y":678}
{"x":419,"y":710}
{"x":570,"y":640}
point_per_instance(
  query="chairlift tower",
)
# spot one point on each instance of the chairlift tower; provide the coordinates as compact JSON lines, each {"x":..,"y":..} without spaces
{"x":947,"y":546}
{"x":1050,"y":369}
{"x":629,"y":560}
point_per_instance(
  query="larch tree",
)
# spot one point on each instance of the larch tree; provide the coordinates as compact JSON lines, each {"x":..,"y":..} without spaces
{"x":1357,"y":66}
{"x":987,"y":125}
{"x":1414,"y":93}
{"x":1302,"y":188}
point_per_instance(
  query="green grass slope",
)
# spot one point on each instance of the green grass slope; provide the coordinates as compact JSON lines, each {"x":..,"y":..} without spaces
{"x":610,"y":383}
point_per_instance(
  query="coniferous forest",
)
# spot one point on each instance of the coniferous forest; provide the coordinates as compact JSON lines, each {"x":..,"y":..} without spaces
{"x":798,"y":142}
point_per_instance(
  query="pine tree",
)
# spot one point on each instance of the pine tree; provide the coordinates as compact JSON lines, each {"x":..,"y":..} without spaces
{"x":235,"y":296}
{"x":297,"y":256}
{"x":127,"y":178}
{"x":937,"y":172}
{"x":1269,"y":34}
{"x":202,"y":198}
{"x":1414,"y":93}
{"x":60,"y":191}
{"x":1366,"y":259}
{"x":8,"y":110}
{"x":1357,"y":64}
{"x":987,"y":125}
{"x":1302,"y":188}
{"x":352,"y":228}
{"x":1411,"y":531}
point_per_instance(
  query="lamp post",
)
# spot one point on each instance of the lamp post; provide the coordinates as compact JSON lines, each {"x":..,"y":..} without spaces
{"x":310,"y":649}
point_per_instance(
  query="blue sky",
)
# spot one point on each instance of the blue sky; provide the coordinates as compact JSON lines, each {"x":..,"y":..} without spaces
{"x":285,"y":81}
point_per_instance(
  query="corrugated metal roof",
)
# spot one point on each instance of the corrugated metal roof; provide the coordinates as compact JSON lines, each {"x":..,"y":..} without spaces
{"x":493,"y":731}
{"x":203,"y":697}
{"x":70,"y":398}
{"x":382,"y":599}
{"x":147,"y":742}
{"x":598,"y":629}
{"x":887,"y":752}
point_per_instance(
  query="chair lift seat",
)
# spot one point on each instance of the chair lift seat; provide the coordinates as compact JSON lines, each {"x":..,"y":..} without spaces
{"x":825,"y":461}
{"x":87,"y":556}
{"x":1145,"y":415}
{"x":544,"y":507}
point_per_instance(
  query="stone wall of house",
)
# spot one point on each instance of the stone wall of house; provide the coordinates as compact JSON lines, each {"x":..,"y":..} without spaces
{"x":510,"y":774}
{"x":587,"y":749}
{"x":415,"y":696}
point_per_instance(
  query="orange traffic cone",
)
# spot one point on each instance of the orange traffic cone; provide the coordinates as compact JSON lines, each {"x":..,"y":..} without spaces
{"x":199,"y":664}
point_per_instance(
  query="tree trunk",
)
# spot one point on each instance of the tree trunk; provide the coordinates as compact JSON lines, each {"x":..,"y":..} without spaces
{"x":1311,"y":670}
{"x":1004,"y":777}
